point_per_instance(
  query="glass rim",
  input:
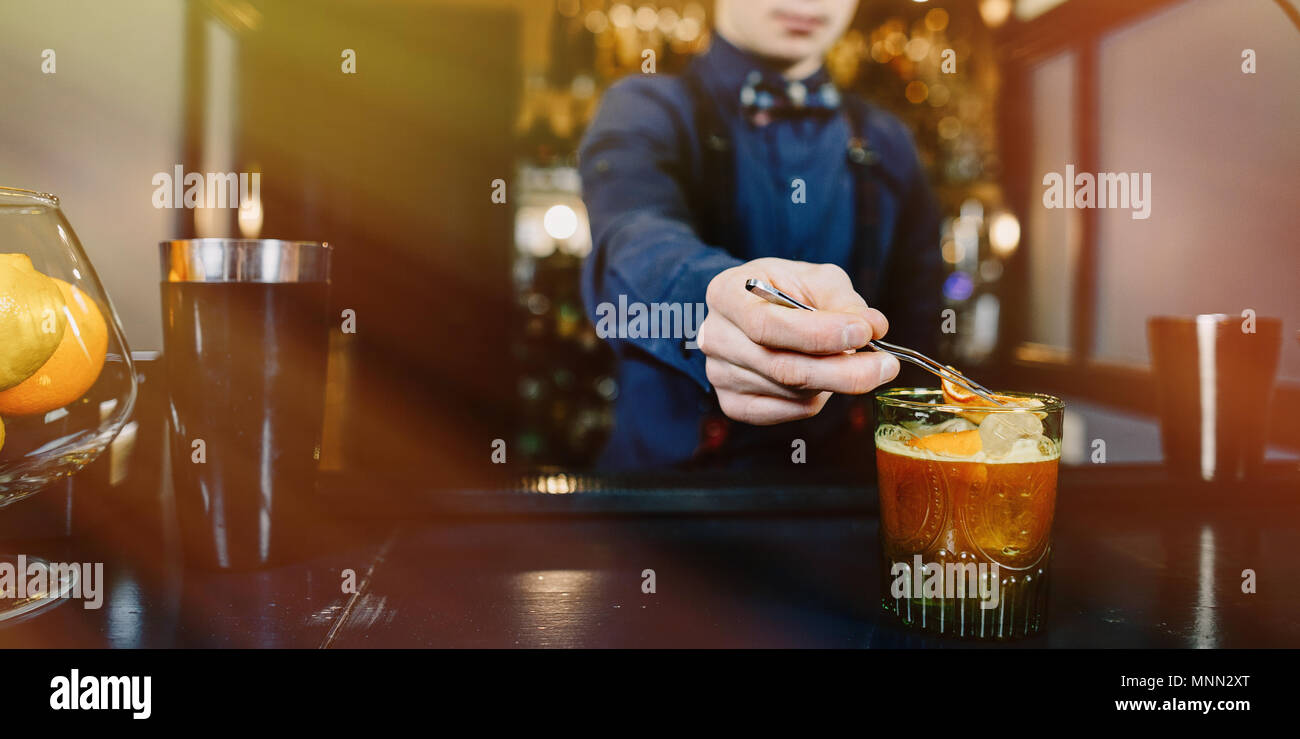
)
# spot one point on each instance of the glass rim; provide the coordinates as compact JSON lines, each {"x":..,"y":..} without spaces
{"x":232,"y":241}
{"x":220,"y":259}
{"x":893,"y":397}
{"x":47,"y":198}
{"x":1216,"y":318}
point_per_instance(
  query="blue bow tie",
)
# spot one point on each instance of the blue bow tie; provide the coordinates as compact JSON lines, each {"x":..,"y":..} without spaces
{"x":764,"y":99}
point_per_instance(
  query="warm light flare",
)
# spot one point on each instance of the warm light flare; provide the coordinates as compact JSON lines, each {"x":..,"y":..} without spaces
{"x":1004,"y":234}
{"x":995,"y":12}
{"x":250,"y":218}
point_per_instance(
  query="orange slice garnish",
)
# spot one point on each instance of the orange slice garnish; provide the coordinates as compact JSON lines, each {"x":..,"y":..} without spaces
{"x":955,"y":394}
{"x":950,"y":443}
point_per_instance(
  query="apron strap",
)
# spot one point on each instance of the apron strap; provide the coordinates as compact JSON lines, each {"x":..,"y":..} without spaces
{"x":870,"y":178}
{"x":715,"y":188}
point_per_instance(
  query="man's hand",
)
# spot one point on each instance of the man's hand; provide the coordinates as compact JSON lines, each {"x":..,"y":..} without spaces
{"x":770,"y":364}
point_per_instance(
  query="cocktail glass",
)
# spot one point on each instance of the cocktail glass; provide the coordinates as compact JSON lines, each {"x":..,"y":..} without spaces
{"x":967,"y":496}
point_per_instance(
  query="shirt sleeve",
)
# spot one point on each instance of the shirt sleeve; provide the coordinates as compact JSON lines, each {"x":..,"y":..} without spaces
{"x":645,"y":247}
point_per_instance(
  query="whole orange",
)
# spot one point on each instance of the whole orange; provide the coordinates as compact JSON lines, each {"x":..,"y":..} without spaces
{"x":72,"y":368}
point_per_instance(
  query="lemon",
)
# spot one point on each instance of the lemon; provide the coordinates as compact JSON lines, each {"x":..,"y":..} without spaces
{"x":32,"y":319}
{"x":73,"y":367}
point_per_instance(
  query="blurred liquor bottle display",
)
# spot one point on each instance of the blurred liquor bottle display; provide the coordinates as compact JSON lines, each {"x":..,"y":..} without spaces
{"x":566,"y":373}
{"x":566,"y":384}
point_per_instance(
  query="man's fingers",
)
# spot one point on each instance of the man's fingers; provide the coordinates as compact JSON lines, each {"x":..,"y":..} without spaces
{"x":824,"y":286}
{"x":841,"y":311}
{"x":874,"y":318}
{"x":811,"y":332}
{"x":851,"y":374}
{"x":762,"y":410}
{"x":733,"y":377}
{"x":842,"y":373}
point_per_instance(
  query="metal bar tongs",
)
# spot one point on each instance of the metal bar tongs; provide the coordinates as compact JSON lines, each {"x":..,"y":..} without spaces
{"x":773,"y":295}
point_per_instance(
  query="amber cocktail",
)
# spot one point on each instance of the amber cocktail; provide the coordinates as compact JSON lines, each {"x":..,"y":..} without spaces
{"x":967,"y":493}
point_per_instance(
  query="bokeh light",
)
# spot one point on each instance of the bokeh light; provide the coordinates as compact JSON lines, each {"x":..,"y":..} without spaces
{"x":560,"y":221}
{"x":958,"y":287}
{"x":646,"y":18}
{"x":1004,"y":233}
{"x":596,"y":22}
{"x":936,"y":19}
{"x":995,"y":12}
{"x":952,"y":251}
{"x":250,"y":218}
{"x":916,"y":91}
{"x":939,"y":95}
{"x":917,"y":48}
{"x":530,"y":235}
{"x":621,"y":16}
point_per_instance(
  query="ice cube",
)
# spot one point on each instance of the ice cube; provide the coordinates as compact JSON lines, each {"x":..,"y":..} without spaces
{"x":999,"y":432}
{"x":977,"y":414}
{"x":956,"y":423}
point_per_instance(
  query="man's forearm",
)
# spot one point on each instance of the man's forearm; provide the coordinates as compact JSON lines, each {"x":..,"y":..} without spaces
{"x":659,"y":271}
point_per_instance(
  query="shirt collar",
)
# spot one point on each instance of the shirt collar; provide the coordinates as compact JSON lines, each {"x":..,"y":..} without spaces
{"x":730,"y":68}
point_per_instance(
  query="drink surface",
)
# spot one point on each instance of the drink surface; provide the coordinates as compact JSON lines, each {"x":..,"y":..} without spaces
{"x":949,"y":508}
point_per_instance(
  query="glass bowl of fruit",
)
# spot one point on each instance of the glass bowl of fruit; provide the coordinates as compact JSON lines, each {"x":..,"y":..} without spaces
{"x":66,"y":381}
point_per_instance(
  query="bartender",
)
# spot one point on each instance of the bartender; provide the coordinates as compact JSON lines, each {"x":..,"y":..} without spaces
{"x":752,"y":164}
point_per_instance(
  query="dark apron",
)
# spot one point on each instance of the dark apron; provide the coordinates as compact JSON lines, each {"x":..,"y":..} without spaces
{"x":714,"y":201}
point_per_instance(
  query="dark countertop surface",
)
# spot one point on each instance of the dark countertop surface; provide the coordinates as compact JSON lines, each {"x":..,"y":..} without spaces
{"x":1136,"y":564}
{"x":1141,"y":559}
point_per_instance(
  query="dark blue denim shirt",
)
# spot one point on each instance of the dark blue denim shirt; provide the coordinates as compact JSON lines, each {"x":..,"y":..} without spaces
{"x":640,"y":162}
